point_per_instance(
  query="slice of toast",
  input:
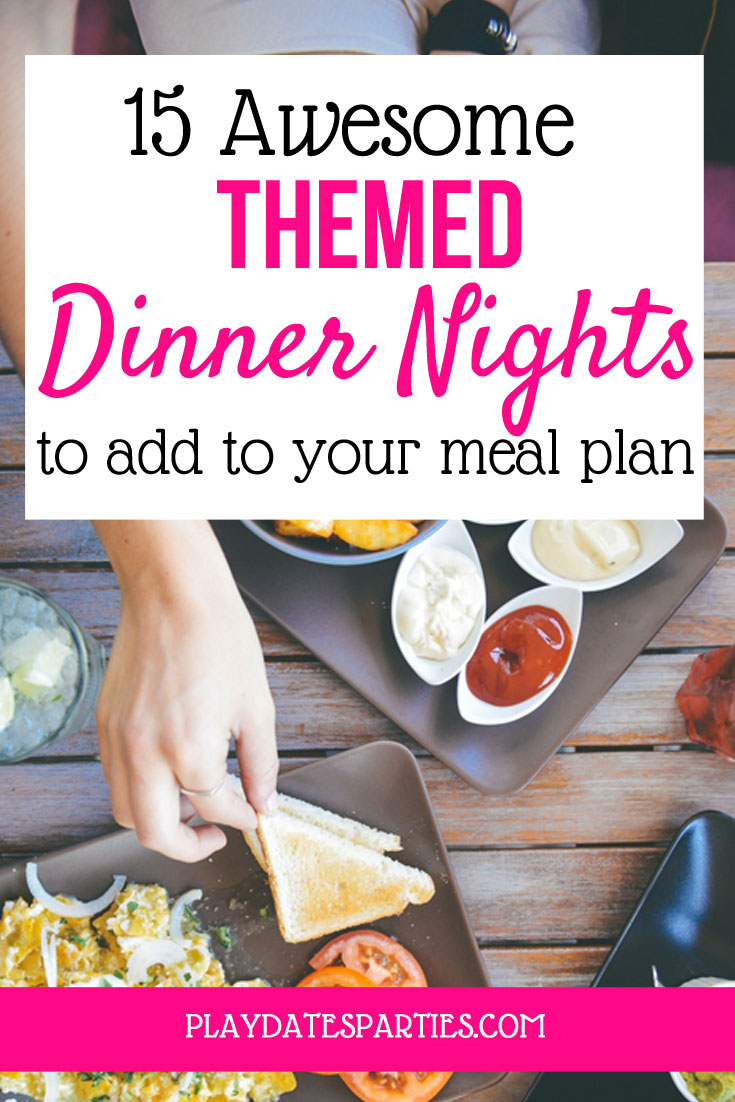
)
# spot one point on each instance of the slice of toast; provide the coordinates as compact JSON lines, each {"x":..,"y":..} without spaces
{"x":349,"y":829}
{"x":322,"y":882}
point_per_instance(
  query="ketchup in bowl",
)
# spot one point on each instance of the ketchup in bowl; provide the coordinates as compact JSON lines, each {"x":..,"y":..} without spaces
{"x":519,"y":655}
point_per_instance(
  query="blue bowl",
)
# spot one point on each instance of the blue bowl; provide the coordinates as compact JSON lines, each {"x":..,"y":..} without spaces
{"x":334,"y":553}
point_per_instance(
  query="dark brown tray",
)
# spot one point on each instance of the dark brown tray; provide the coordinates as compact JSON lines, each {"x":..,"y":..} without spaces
{"x":379,"y":784}
{"x":342,"y":614}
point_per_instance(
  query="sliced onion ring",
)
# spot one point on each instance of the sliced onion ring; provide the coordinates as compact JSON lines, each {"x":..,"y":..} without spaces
{"x":77,"y":908}
{"x":154,"y":950}
{"x":177,"y":913}
{"x":48,"y":956}
{"x":51,"y":1086}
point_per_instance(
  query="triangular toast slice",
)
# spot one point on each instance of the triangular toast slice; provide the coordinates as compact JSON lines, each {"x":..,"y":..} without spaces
{"x":350,"y":829}
{"x":322,"y":883}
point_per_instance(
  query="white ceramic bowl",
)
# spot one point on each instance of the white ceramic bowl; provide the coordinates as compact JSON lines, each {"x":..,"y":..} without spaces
{"x":658,"y":537}
{"x":454,"y":535}
{"x":563,"y":599}
{"x":681,"y":1086}
{"x":516,"y":520}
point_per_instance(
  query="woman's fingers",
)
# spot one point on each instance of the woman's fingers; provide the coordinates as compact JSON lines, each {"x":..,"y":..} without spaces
{"x":156,"y":817}
{"x":116,"y":775}
{"x":226,"y":807}
{"x":164,"y":715}
{"x":258,"y":759}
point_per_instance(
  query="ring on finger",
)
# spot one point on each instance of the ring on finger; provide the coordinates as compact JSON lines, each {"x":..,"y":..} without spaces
{"x":208,"y":793}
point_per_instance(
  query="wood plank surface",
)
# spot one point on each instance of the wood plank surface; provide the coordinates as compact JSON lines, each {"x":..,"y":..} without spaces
{"x":544,"y":966}
{"x":719,"y":309}
{"x":316,"y":710}
{"x":719,"y":404}
{"x":706,"y":619}
{"x":12,"y":440}
{"x":588,"y":894}
{"x":719,"y":486}
{"x":638,"y":797}
{"x":52,"y":541}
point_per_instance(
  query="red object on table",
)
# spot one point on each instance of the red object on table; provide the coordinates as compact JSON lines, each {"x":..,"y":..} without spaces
{"x":707,"y":701}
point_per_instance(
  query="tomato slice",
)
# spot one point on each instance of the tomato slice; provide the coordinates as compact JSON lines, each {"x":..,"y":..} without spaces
{"x":395,"y":1086}
{"x":336,"y":977}
{"x":385,"y":961}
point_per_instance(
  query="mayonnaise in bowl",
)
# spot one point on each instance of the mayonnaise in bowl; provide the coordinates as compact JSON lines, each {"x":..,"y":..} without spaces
{"x":585,"y":550}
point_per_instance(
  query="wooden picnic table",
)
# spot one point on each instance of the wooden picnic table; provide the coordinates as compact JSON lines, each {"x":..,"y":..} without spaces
{"x":549,"y":875}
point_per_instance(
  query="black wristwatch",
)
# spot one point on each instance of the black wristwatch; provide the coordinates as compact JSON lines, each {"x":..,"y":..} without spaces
{"x":474,"y":26}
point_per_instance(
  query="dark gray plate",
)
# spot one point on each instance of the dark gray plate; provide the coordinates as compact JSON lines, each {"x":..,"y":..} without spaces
{"x":343,"y":616}
{"x":683,"y":925}
{"x":379,"y":784}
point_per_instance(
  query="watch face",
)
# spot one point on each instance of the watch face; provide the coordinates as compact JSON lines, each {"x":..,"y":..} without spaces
{"x":502,"y":32}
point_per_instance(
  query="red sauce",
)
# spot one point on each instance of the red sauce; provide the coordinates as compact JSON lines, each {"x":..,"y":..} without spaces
{"x":519,"y":655}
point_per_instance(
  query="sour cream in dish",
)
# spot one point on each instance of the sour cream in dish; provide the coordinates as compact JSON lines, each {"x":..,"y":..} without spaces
{"x":440,"y":603}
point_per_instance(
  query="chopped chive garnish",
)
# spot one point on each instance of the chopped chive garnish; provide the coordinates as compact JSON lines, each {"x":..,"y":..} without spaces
{"x":225,"y":937}
{"x":189,"y":914}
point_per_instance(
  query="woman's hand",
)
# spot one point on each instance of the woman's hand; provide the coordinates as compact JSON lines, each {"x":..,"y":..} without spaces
{"x":185,"y":672}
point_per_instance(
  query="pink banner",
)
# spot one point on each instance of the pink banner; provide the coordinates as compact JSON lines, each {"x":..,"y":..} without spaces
{"x":462,"y":1029}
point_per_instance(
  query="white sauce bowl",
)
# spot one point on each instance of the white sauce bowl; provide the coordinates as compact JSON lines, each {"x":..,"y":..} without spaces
{"x":658,"y":537}
{"x":563,"y":599}
{"x":455,"y":536}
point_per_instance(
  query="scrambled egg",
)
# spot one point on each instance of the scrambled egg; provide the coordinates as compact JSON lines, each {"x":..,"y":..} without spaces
{"x":154,"y":1086}
{"x":97,"y":950}
{"x":92,"y":949}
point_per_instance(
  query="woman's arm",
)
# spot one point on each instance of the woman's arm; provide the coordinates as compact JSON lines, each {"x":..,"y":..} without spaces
{"x":185,"y":672}
{"x":186,"y":669}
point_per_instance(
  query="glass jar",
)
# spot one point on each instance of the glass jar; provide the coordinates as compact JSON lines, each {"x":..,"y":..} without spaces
{"x":51,"y":671}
